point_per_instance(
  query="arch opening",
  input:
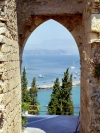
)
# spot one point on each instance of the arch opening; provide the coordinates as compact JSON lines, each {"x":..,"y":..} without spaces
{"x":38,"y":50}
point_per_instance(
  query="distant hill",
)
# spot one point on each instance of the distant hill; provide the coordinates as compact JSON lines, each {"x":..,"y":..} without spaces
{"x":54,"y":44}
{"x":46,"y":52}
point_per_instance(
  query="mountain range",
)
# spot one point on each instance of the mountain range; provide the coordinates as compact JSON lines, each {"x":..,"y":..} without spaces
{"x":46,"y":52}
{"x":54,"y":44}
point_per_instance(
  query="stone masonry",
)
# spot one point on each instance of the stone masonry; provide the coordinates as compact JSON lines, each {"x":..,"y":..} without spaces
{"x":10,"y":92}
{"x":18,"y":19}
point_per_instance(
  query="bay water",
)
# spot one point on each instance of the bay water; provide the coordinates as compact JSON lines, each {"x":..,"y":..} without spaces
{"x":52,"y":67}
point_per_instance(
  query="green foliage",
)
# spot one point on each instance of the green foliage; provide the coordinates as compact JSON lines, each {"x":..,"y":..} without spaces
{"x":25,"y":106}
{"x":61,"y":103}
{"x":24,"y":82}
{"x":97,"y":71}
{"x":25,"y":96}
{"x":24,"y":121}
{"x":66,"y":102}
{"x":29,"y":98}
{"x":33,"y":95}
{"x":53,"y":106}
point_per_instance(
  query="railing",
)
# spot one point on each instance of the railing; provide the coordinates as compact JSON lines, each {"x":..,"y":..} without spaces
{"x":43,"y":109}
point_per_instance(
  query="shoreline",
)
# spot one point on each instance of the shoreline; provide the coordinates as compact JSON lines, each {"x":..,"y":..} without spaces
{"x":75,"y":83}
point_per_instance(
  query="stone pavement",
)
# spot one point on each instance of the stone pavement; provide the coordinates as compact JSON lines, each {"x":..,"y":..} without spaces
{"x":53,"y":124}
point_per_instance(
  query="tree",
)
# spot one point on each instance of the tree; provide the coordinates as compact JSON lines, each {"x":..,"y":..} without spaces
{"x":61,"y":103}
{"x":25,"y":96}
{"x":24,"y":82}
{"x":53,"y":106}
{"x":66,"y":88}
{"x":33,"y":96}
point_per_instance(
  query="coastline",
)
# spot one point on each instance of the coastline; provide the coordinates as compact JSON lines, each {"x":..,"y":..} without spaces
{"x":75,"y":83}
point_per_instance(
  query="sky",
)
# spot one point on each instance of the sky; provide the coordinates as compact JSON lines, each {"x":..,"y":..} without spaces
{"x":51,"y":35}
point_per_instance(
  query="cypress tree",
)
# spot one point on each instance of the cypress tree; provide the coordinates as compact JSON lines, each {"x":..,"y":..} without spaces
{"x":33,"y":95}
{"x":25,"y":96}
{"x":61,"y":103}
{"x":24,"y":82}
{"x":53,"y":106}
{"x":66,"y":101}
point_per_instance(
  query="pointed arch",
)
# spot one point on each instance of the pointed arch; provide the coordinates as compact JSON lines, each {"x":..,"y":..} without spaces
{"x":71,"y":23}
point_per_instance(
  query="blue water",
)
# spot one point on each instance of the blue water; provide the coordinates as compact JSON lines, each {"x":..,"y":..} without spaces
{"x":51,"y":67}
{"x":44,"y":98}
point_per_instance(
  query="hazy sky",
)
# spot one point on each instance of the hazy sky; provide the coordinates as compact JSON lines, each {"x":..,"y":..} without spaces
{"x":51,"y":35}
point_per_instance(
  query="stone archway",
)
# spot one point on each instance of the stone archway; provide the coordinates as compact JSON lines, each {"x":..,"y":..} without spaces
{"x":18,"y":18}
{"x":73,"y":23}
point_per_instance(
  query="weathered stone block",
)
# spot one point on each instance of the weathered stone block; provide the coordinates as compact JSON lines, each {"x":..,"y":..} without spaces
{"x":95,"y":25}
{"x":2,"y":24}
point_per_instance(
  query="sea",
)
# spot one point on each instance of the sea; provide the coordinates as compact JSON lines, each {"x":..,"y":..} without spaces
{"x":52,"y":67}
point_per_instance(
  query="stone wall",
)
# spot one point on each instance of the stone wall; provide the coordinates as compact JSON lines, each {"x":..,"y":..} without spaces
{"x":32,"y":13}
{"x":44,"y":7}
{"x":10,"y":93}
{"x":71,"y":22}
{"x":95,"y":53}
{"x":18,"y":19}
{"x":79,"y":23}
{"x":90,"y":122}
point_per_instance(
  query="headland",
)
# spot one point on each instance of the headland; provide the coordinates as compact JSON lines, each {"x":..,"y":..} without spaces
{"x":75,"y":83}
